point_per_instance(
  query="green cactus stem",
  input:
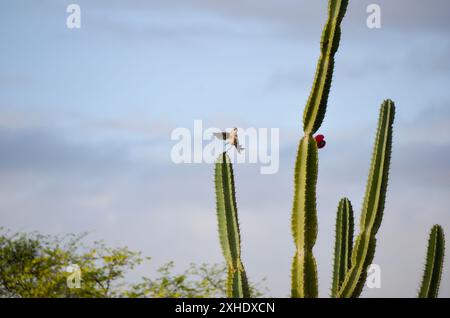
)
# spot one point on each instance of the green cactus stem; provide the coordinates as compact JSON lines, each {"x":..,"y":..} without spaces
{"x":229,"y":235}
{"x":433,"y":267}
{"x":304,"y":220}
{"x":304,"y":215}
{"x":316,"y":106}
{"x":343,"y":244}
{"x":373,"y":206}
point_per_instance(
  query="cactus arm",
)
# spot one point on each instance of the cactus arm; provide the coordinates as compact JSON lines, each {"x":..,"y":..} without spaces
{"x":314,"y":112}
{"x":228,"y":225}
{"x":304,"y":220}
{"x":433,"y":267}
{"x":372,"y":212}
{"x":343,"y":244}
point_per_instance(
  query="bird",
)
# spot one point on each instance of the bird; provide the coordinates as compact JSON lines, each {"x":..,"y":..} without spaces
{"x":231,"y":138}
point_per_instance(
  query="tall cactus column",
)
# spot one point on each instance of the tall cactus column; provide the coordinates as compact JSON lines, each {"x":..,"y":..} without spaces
{"x":434,"y":262}
{"x":229,"y":235}
{"x":304,"y":220}
{"x":373,"y":206}
{"x":343,"y":245}
{"x":304,"y":215}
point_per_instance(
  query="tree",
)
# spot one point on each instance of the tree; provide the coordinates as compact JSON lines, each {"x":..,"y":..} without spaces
{"x":35,"y":265}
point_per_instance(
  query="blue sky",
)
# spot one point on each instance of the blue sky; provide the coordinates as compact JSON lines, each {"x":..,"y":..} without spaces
{"x":86,"y":117}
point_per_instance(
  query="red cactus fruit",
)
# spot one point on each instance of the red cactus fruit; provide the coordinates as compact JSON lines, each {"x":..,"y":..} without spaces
{"x":320,"y":139}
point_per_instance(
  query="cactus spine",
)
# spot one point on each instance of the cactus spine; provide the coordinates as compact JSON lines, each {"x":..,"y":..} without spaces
{"x":433,"y":267}
{"x":304,"y":215}
{"x":372,"y":212}
{"x":229,"y":235}
{"x":343,"y":244}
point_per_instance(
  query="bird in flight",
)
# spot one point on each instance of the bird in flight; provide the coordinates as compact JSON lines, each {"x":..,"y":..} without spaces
{"x":231,"y":138}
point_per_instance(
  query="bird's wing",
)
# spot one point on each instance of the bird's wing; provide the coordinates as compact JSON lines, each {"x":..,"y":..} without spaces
{"x":222,"y":135}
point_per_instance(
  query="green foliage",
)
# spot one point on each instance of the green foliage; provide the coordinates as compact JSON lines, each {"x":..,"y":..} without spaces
{"x":343,"y":244}
{"x":29,"y":269}
{"x":228,"y":224}
{"x":34,"y":265}
{"x":434,"y":262}
{"x":373,"y":206}
{"x":198,"y":281}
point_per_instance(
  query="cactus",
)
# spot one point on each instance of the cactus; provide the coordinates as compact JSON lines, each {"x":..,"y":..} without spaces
{"x":343,"y":244}
{"x":304,"y":220}
{"x":229,"y":235}
{"x":316,"y":106}
{"x":373,"y":206}
{"x":350,"y":259}
{"x":434,"y":263}
{"x":304,"y":215}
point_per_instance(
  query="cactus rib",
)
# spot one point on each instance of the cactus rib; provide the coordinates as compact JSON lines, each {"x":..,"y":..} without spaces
{"x":228,"y":224}
{"x":433,"y":267}
{"x":343,"y":244}
{"x":372,"y":212}
{"x":315,"y":109}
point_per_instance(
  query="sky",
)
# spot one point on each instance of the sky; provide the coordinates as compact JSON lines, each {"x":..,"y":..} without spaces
{"x":86,"y":117}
